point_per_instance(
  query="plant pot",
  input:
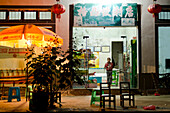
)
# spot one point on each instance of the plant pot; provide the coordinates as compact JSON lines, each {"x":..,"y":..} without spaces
{"x":39,"y":101}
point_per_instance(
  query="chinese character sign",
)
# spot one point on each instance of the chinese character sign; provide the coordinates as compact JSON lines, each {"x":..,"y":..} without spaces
{"x":105,"y":15}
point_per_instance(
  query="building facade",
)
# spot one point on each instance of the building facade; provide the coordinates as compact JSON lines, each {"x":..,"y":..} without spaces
{"x":145,"y":32}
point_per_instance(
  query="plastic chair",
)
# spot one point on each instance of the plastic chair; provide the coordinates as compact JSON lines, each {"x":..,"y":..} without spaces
{"x":94,"y":97}
{"x":17,"y":96}
{"x":57,"y":97}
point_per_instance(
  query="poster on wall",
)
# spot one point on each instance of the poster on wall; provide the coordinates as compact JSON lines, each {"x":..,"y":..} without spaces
{"x":120,"y":14}
{"x":93,"y":58}
{"x":97,"y":48}
{"x":105,"y":49}
{"x":94,"y":63}
{"x":91,"y":48}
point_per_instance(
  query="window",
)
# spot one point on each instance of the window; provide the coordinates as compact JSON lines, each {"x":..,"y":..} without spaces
{"x":2,"y":15}
{"x":30,"y":15}
{"x":27,"y":14}
{"x":164,"y":15}
{"x":45,"y":15}
{"x":163,"y":48}
{"x":14,"y":15}
{"x":20,"y":15}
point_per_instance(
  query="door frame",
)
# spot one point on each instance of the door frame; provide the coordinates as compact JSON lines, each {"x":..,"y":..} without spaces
{"x":112,"y":50}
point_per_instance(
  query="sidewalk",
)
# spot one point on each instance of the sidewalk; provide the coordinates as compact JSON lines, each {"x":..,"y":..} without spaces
{"x":82,"y":103}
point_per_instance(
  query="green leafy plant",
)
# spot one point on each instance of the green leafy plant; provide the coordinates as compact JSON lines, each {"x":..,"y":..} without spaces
{"x":53,"y":69}
{"x":69,"y":70}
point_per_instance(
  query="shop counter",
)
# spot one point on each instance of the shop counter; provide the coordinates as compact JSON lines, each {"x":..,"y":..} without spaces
{"x":99,"y":79}
{"x":101,"y":76}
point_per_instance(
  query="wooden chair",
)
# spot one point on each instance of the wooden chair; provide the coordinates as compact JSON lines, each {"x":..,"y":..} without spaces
{"x":57,"y":97}
{"x":126,"y":94}
{"x":112,"y":98}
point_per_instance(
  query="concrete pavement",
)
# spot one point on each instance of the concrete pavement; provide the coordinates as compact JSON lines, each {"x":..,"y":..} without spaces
{"x":82,"y":103}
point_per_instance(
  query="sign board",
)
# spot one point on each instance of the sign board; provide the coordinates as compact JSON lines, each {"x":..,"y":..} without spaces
{"x":120,"y":14}
{"x":7,"y":52}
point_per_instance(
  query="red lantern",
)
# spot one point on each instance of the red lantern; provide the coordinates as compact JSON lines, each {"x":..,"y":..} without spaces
{"x":154,"y":9}
{"x":58,"y":9}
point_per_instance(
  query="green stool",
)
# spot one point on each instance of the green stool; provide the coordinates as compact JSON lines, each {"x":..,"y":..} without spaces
{"x":27,"y":92}
{"x":94,"y":97}
{"x":115,"y":77}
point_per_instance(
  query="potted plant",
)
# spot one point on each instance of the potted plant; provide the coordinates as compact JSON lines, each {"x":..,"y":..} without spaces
{"x":42,"y":68}
{"x":51,"y":63}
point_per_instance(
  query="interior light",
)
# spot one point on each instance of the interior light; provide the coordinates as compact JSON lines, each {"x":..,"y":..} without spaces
{"x":29,"y":43}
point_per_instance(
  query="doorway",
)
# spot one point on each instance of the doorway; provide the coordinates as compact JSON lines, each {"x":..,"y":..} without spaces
{"x":117,"y":54}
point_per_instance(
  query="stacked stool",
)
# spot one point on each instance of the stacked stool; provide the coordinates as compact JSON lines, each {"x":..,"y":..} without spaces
{"x":17,"y":96}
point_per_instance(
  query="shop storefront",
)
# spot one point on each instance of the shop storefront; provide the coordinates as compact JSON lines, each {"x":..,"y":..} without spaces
{"x":105,"y":26}
{"x":102,"y":31}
